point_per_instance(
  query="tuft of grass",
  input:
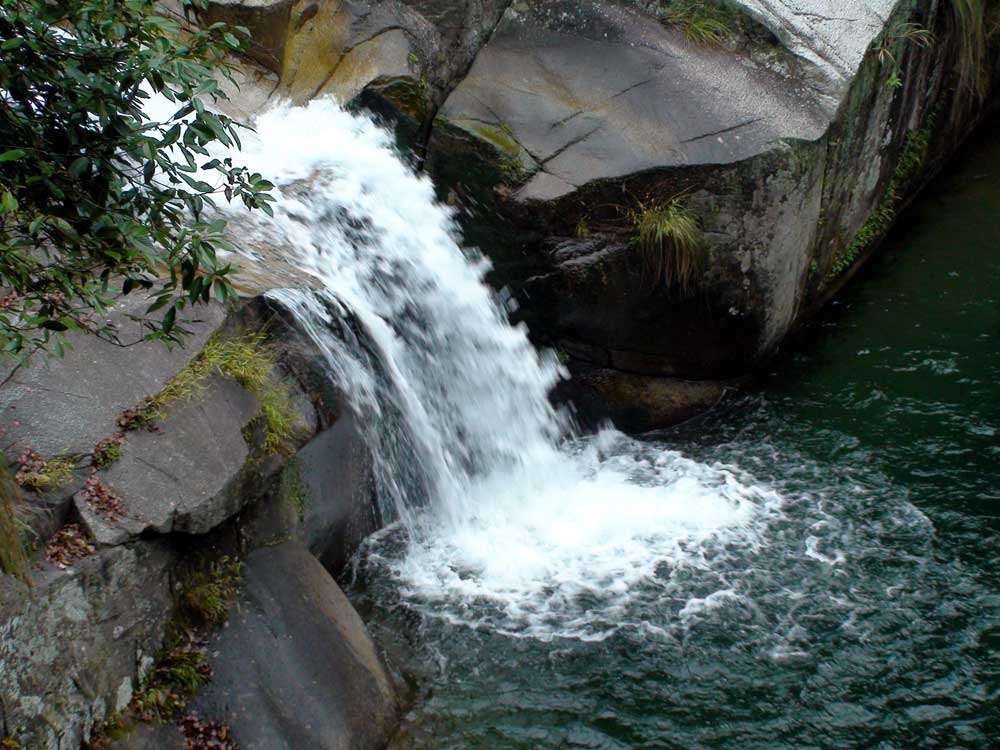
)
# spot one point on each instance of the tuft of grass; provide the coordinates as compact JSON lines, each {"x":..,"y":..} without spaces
{"x":702,"y":21}
{"x":208,"y":594}
{"x":583,"y":228}
{"x":896,"y":35}
{"x":13,"y":556}
{"x":245,"y":359}
{"x":911,"y":161}
{"x":974,"y":25}
{"x":181,"y":667}
{"x":43,"y":475}
{"x":294,"y":489}
{"x":180,"y":671}
{"x":668,"y":236}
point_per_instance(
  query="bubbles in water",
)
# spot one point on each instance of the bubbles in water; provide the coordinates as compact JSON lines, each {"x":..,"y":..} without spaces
{"x":510,"y":521}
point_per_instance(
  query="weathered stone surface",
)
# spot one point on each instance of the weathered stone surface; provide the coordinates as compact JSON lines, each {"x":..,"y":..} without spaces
{"x":295,"y":667}
{"x":575,"y":117}
{"x":833,"y":35}
{"x":333,"y":48}
{"x":73,"y":646}
{"x":335,"y":471}
{"x":185,"y":475}
{"x":577,"y":92}
{"x":65,"y":406}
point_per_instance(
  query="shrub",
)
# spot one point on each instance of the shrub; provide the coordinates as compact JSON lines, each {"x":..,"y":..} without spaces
{"x":96,"y":199}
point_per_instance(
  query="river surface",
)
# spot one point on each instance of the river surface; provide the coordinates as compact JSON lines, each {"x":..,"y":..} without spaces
{"x":816,"y":564}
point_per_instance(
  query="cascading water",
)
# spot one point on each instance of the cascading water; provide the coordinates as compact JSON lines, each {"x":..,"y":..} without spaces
{"x":607,"y":592}
{"x":499,"y":501}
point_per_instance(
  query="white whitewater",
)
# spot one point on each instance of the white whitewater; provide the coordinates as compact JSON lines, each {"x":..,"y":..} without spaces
{"x":510,"y":520}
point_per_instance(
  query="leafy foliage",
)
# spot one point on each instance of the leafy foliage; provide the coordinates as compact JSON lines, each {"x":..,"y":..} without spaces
{"x":96,"y":198}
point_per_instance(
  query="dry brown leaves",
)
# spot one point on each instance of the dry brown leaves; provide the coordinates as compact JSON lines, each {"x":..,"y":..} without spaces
{"x":68,"y":545}
{"x":103,"y":500}
{"x":206,"y":735}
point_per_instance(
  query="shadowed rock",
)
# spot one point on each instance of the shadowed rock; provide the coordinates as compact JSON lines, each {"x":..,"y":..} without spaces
{"x":295,"y":667}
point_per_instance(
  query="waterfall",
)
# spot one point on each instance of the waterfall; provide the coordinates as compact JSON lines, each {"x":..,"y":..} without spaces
{"x":497,"y":498}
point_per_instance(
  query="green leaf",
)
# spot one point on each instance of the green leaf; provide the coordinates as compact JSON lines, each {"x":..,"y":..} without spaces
{"x":169,"y":319}
{"x":79,"y":166}
{"x":13,"y":154}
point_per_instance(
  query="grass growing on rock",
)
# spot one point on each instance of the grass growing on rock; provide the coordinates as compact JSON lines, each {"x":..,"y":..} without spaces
{"x":911,"y":161}
{"x":894,"y":38}
{"x":702,"y":22}
{"x":209,"y":593}
{"x":245,"y":359}
{"x":43,"y":475}
{"x":107,"y":451}
{"x":181,"y":669}
{"x":13,"y":556}
{"x":293,"y":488}
{"x":670,"y":241}
{"x":976,"y":23}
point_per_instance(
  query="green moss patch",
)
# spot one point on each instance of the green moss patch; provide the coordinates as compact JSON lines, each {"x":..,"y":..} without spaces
{"x":247,"y":360}
{"x":911,"y":161}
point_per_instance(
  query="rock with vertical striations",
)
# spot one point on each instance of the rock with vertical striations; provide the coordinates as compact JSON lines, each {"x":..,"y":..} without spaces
{"x":295,"y":668}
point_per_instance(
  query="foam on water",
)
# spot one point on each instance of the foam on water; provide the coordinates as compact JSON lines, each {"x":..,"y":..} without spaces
{"x":510,"y":521}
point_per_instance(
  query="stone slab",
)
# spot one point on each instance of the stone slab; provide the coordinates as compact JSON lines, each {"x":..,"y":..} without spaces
{"x":67,"y":405}
{"x":295,"y":668}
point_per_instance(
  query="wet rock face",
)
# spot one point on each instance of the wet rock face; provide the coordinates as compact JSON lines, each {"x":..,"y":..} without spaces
{"x":556,"y":122}
{"x":294,"y":667}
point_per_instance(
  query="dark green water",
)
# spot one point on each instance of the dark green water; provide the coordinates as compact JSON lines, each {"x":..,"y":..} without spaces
{"x":866,"y":614}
